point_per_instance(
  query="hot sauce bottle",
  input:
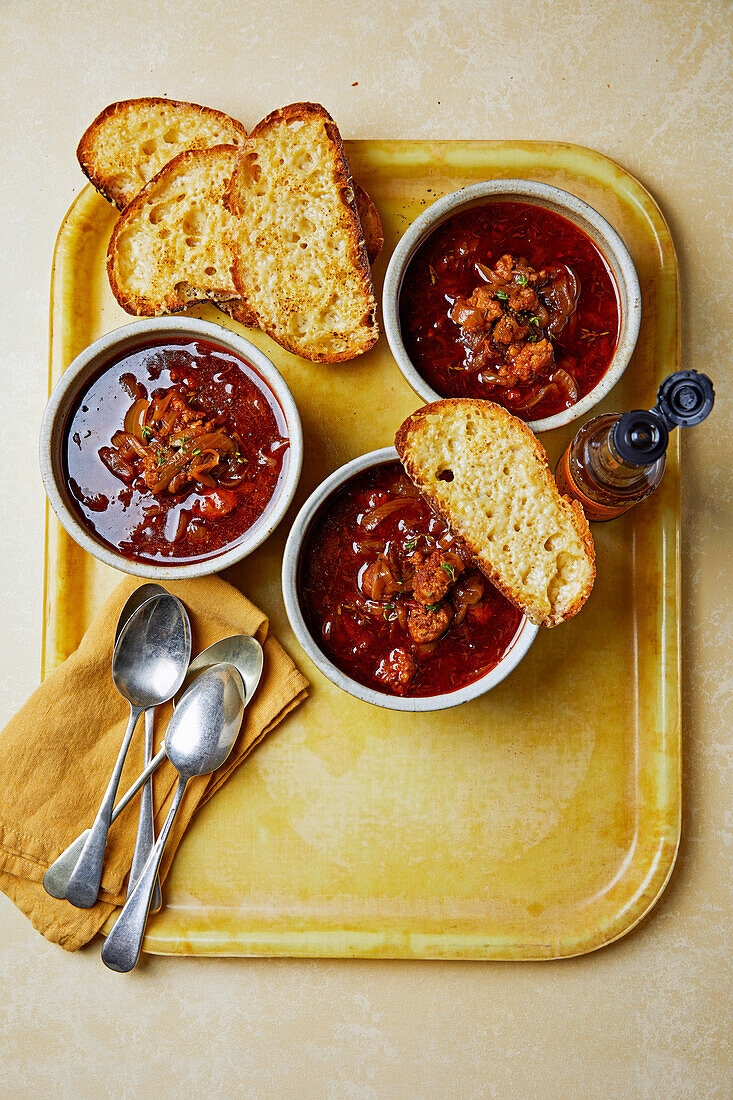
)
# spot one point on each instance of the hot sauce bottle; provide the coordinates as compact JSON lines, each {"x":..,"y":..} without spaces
{"x":618,"y":459}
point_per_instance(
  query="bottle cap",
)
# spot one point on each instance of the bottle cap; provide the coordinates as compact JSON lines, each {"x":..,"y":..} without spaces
{"x":685,"y":398}
{"x":640,"y":437}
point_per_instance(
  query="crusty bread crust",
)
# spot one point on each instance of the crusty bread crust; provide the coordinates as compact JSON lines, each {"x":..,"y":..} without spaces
{"x":249,"y":247}
{"x":490,"y":561}
{"x":239,"y":311}
{"x":371,"y":223}
{"x":113,"y":165}
{"x":153,"y":266}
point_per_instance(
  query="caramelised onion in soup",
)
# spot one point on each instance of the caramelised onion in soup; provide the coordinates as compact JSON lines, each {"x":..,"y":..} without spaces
{"x":392,"y":597}
{"x":174,"y":451}
{"x":512,"y":302}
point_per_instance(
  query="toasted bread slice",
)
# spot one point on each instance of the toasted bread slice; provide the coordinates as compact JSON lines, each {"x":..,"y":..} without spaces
{"x":487,"y":475}
{"x":171,"y":246}
{"x":150,"y":272}
{"x":371,"y":225}
{"x":300,"y":262}
{"x":130,"y":141}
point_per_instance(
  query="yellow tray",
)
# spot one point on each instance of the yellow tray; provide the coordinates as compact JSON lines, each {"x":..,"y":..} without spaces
{"x":539,"y":822}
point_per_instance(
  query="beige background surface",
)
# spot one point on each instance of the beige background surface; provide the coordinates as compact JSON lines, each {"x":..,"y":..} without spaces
{"x":648,"y":83}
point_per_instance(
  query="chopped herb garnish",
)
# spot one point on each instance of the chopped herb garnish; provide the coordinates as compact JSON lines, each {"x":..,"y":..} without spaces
{"x":502,"y":294}
{"x":522,"y":279}
{"x":411,"y":544}
{"x":390,"y":613}
{"x":432,"y":606}
{"x":448,"y":568}
{"x":197,"y":451}
{"x":146,"y":431}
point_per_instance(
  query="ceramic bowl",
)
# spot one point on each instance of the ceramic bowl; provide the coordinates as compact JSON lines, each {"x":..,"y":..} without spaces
{"x":561,"y":202}
{"x":523,"y":639}
{"x":77,"y":376}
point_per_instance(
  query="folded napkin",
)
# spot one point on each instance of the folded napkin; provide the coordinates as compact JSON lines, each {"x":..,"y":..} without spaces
{"x":57,"y":753}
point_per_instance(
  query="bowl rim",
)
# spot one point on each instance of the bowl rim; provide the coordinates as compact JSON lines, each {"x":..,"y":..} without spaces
{"x":525,"y":635}
{"x":564,"y":202}
{"x":80,"y":371}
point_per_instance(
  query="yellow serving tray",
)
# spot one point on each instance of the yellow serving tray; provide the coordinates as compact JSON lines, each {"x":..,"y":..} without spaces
{"x":539,"y":822}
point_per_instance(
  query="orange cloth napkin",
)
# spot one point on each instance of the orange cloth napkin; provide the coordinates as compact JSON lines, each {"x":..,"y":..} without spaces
{"x":57,"y":753}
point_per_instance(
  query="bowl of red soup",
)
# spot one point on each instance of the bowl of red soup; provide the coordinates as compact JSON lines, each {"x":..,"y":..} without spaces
{"x":386,"y":600}
{"x":171,"y":448}
{"x":516,"y":292}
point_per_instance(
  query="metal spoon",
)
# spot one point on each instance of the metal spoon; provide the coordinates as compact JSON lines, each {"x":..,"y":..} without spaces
{"x":56,"y":878}
{"x":242,"y":651}
{"x":199,"y":738}
{"x":145,"y":826}
{"x":148,"y":666}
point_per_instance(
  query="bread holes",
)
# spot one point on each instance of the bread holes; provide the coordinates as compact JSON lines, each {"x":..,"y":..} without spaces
{"x":170,"y":137}
{"x":148,"y":147}
{"x":194,"y":223}
{"x":249,"y":172}
{"x":157,"y":212}
{"x":295,"y":125}
{"x":445,"y":475}
{"x":209,"y":271}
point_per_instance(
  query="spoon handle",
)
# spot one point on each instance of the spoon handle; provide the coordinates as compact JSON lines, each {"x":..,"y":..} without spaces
{"x":56,"y":878}
{"x":121,"y":949}
{"x":83,"y":887}
{"x":145,"y":828}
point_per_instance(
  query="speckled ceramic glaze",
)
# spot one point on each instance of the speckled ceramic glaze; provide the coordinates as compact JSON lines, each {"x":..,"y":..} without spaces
{"x":76,"y":377}
{"x":523,"y":639}
{"x":596,"y":227}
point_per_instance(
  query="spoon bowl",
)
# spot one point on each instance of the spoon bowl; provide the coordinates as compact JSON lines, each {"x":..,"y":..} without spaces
{"x":205,"y":724}
{"x":152,"y":652}
{"x":240,"y":650}
{"x":136,"y":599}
